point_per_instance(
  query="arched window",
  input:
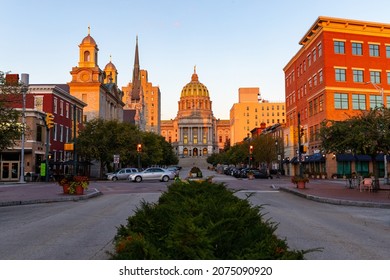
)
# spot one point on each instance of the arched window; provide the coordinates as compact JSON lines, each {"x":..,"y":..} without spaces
{"x":87,"y":56}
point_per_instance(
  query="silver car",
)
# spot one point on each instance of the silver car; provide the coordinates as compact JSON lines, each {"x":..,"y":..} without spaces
{"x":152,"y":173}
{"x":121,"y":174}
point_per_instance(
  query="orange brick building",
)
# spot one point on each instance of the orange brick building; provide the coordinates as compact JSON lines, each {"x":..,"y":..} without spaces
{"x":342,"y":69}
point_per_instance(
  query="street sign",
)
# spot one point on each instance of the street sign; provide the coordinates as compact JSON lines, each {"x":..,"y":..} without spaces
{"x":116,"y":158}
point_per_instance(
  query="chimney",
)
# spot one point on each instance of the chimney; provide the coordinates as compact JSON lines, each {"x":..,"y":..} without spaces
{"x":12,"y":79}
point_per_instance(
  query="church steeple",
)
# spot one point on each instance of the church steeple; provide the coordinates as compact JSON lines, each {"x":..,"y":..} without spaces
{"x":135,"y":93}
{"x":88,"y":51}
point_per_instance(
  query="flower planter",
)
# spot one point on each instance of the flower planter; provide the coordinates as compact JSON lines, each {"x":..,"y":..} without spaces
{"x":66,"y":189}
{"x":301,"y":185}
{"x":79,"y":190}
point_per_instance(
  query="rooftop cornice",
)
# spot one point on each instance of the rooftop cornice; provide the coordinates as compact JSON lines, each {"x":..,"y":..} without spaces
{"x":340,"y":24}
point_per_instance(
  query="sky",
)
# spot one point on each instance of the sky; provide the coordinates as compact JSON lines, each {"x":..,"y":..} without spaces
{"x":233,"y":43}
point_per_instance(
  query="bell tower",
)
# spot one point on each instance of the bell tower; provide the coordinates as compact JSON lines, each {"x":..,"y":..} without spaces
{"x":88,"y":52}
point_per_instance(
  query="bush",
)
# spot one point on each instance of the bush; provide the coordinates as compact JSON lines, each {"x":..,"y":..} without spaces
{"x":199,"y":220}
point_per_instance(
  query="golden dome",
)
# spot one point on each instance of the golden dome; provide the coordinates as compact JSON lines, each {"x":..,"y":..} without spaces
{"x":194,"y":88}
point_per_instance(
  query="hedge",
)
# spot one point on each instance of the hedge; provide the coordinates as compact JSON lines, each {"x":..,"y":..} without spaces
{"x":200,"y":221}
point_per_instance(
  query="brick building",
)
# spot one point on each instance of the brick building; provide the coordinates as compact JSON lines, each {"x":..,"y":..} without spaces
{"x":342,"y":69}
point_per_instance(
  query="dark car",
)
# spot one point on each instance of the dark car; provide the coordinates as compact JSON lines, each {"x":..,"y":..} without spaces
{"x":261,"y":174}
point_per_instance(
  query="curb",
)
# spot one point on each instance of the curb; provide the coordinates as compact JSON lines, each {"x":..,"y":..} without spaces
{"x":93,"y":193}
{"x":337,"y":201}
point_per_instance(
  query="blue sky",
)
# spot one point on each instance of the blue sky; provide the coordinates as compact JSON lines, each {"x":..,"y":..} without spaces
{"x":233,"y":43}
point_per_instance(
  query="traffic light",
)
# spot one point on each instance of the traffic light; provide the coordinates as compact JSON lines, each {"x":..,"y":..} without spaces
{"x":139,"y":148}
{"x":49,"y":120}
{"x":301,"y":131}
{"x":250,"y":149}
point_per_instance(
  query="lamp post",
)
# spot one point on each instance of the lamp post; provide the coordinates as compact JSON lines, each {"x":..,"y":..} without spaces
{"x":139,"y":149}
{"x":24,"y":89}
{"x":381,"y":91}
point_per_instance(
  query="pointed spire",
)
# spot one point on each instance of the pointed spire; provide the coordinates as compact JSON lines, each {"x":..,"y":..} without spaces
{"x":135,"y":93}
{"x":89,"y":30}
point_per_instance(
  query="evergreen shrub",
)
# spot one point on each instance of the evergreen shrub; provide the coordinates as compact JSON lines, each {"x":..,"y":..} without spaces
{"x":199,"y":220}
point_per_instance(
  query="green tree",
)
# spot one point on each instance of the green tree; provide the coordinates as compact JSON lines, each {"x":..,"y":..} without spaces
{"x":10,"y":128}
{"x":367,"y":133}
{"x":264,"y":149}
{"x":101,"y":139}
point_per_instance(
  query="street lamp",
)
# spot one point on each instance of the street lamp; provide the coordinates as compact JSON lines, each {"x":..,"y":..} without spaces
{"x":139,"y":149}
{"x":24,"y":88}
{"x":381,"y":91}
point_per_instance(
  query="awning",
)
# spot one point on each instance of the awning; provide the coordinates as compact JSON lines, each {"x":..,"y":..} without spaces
{"x":363,"y":158}
{"x":380,"y":157}
{"x":294,"y":160}
{"x":317,"y":157}
{"x":345,"y":157}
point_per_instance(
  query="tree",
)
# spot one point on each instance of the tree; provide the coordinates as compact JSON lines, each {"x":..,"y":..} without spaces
{"x":264,"y":149}
{"x":10,"y":128}
{"x":367,"y":134}
{"x":101,"y":139}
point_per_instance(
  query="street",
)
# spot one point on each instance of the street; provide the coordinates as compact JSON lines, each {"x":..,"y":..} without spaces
{"x":85,"y":229}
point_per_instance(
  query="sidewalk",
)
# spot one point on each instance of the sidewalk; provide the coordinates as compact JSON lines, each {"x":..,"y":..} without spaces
{"x":327,"y":191}
{"x":332,"y":191}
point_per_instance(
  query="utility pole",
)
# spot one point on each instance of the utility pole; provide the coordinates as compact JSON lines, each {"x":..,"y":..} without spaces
{"x":299,"y":146}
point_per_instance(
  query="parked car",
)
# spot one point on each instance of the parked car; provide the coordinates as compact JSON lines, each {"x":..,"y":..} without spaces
{"x":174,"y":169}
{"x":121,"y":174}
{"x":261,"y":174}
{"x":152,"y":173}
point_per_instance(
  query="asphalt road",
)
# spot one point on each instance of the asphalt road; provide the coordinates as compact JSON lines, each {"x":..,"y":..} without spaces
{"x":65,"y":230}
{"x":343,"y":232}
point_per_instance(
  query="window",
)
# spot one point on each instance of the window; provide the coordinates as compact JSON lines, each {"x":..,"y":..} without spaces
{"x":388,"y":77}
{"x":61,"y":107}
{"x":314,"y":55}
{"x":358,"y":76}
{"x":38,"y":103}
{"x":309,"y":59}
{"x":339,"y":47}
{"x":320,"y":77}
{"x":61,"y":133}
{"x":341,"y":101}
{"x":374,"y":49}
{"x":375,"y":77}
{"x":55,"y":105}
{"x":67,"y":110}
{"x":375,"y":101}
{"x":39,"y":133}
{"x":319,"y":49}
{"x":358,"y":102}
{"x":321,"y":103}
{"x":388,"y":51}
{"x":357,"y":49}
{"x":340,"y":75}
